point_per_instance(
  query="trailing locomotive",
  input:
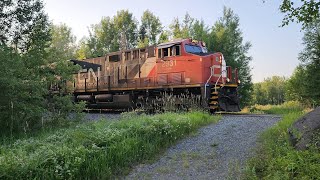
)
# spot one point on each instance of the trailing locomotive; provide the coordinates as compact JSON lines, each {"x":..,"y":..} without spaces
{"x":136,"y":77}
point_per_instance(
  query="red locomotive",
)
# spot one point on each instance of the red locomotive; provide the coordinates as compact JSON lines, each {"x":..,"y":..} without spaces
{"x":134,"y":77}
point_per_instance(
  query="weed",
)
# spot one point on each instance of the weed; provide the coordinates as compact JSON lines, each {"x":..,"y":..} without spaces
{"x":275,"y":158}
{"x":97,"y":150}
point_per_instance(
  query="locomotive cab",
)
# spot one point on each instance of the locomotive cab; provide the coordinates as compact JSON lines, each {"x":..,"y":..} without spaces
{"x":196,"y":66}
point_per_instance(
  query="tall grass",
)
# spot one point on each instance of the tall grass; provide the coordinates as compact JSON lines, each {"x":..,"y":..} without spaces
{"x":97,"y":150}
{"x":285,"y":108}
{"x":275,"y":157}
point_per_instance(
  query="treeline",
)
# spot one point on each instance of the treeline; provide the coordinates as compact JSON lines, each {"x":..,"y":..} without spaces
{"x":270,"y":91}
{"x":304,"y":84}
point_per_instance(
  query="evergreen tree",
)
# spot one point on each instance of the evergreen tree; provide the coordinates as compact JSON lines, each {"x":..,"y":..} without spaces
{"x":226,"y":37}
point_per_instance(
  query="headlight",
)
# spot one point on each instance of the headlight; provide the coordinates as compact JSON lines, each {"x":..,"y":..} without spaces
{"x":228,"y":80}
{"x":239,"y":81}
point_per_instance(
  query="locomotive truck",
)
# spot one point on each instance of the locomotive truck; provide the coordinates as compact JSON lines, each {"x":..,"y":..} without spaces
{"x":134,"y":78}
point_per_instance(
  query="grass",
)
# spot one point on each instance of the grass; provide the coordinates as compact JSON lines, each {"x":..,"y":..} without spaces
{"x":275,"y":157}
{"x":97,"y":150}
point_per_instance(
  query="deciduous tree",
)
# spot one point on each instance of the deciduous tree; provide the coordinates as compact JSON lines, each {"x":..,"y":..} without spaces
{"x":304,"y":12}
{"x":150,"y":28}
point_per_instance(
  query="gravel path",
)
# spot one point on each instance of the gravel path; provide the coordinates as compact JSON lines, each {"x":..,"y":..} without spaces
{"x":218,"y":151}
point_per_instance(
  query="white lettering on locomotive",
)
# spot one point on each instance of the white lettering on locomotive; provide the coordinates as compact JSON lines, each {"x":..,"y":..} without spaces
{"x":81,"y":79}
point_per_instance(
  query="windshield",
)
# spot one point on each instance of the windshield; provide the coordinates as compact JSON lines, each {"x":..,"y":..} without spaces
{"x":195,"y":49}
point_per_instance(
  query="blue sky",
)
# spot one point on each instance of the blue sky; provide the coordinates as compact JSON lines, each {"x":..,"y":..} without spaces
{"x":274,"y":49}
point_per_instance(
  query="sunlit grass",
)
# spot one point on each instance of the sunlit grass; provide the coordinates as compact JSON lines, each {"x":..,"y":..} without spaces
{"x":97,"y":150}
{"x":284,"y":108}
{"x":275,"y":157}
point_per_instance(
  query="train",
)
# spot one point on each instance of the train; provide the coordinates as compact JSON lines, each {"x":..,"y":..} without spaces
{"x":142,"y":77}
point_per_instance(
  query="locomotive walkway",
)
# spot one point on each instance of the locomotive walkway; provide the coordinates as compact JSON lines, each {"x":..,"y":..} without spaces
{"x":217,"y":151}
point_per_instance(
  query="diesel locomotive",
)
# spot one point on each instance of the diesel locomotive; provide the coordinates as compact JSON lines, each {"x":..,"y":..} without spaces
{"x":136,"y":77}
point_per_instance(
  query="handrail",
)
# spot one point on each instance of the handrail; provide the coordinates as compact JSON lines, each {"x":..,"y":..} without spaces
{"x":215,"y":86}
{"x":205,"y":86}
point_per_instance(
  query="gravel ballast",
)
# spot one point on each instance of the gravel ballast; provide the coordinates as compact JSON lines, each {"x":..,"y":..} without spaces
{"x":217,"y":151}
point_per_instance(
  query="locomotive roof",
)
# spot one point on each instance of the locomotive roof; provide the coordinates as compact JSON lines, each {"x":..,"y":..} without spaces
{"x":86,"y":65}
{"x":171,"y":43}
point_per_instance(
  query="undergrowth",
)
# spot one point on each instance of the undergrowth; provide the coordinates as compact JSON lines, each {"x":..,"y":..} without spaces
{"x":97,"y":150}
{"x":275,"y":157}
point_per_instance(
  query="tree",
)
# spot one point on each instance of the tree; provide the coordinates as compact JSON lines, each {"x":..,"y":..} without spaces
{"x":187,"y":26}
{"x":259,"y":94}
{"x":305,"y":82}
{"x":184,"y":29}
{"x":200,"y":31}
{"x":305,"y":12}
{"x":109,"y":35}
{"x":226,"y":37}
{"x":62,"y":46}
{"x":296,"y":86}
{"x":126,"y":28}
{"x":83,"y":51}
{"x":164,"y":37}
{"x":175,"y":28}
{"x":150,"y":28}
{"x":105,"y":33}
{"x":24,"y":53}
{"x":17,"y":22}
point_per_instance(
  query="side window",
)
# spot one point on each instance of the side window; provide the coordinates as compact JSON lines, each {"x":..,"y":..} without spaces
{"x":159,"y":53}
{"x":175,"y":50}
{"x":128,"y":56}
{"x":165,"y":52}
{"x":114,"y":58}
{"x":136,"y":54}
{"x":178,"y":52}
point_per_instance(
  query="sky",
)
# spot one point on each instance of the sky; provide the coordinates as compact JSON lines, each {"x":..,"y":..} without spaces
{"x":274,"y":49}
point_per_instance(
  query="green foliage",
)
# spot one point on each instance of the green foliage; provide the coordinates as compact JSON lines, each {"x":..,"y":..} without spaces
{"x":184,"y":29}
{"x":164,"y":37}
{"x":62,"y":45}
{"x":126,"y":26}
{"x":97,"y":150}
{"x":111,"y":34}
{"x":150,"y":28}
{"x":305,"y":82}
{"x":175,"y":28}
{"x":276,"y":159}
{"x":270,"y":91}
{"x":25,"y":51}
{"x":226,"y":37}
{"x":305,"y":12}
{"x":200,"y":31}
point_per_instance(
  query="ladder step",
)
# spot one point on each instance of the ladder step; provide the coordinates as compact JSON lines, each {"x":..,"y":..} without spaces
{"x":214,"y":97}
{"x":213,"y":107}
{"x":214,"y":92}
{"x":213,"y":102}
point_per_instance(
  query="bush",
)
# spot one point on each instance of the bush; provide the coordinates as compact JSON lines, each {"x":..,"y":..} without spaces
{"x":97,"y":150}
